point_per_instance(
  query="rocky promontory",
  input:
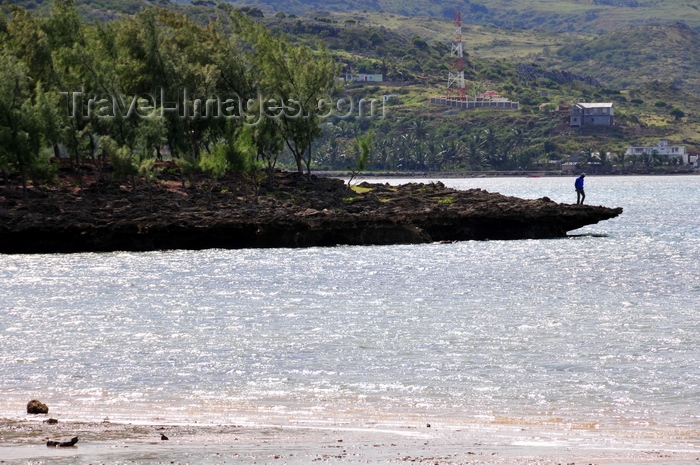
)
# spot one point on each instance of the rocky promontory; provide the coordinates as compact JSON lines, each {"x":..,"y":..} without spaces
{"x":297,"y":212}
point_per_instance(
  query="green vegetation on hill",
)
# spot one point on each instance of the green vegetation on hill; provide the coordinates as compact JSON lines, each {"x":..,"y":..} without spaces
{"x":589,"y":16}
{"x":633,"y":56}
{"x":367,"y":48}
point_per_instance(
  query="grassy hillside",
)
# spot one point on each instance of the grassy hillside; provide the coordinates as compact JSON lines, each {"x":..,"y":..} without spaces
{"x":585,"y":16}
{"x":483,"y":41}
{"x":637,"y":55}
{"x":589,"y":16}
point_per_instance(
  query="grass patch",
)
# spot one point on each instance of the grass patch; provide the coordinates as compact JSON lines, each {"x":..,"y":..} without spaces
{"x":361,"y":190}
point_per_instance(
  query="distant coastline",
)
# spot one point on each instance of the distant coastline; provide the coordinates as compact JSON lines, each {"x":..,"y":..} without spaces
{"x":488,"y":174}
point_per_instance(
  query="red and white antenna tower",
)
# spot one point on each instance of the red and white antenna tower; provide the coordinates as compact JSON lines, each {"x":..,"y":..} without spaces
{"x":456,"y":88}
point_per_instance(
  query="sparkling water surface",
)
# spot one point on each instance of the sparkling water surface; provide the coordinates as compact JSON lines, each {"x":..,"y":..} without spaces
{"x":601,"y":328}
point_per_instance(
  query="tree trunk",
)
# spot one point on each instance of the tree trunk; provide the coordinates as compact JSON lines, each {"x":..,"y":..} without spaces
{"x":297,"y":158}
{"x":307,"y":161}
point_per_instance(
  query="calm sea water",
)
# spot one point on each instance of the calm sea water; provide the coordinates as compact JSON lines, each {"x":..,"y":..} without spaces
{"x":602,"y":328}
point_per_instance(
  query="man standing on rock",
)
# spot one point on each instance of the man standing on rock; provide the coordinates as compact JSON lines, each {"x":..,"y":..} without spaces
{"x":580,"y":195}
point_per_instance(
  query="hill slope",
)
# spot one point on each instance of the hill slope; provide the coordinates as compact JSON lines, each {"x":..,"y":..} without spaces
{"x":638,"y":55}
{"x":558,"y":15}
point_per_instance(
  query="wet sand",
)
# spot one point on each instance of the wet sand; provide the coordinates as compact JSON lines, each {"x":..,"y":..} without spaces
{"x":24,"y":441}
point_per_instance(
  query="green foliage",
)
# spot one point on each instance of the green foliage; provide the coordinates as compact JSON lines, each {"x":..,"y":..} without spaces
{"x":677,"y":113}
{"x":215,"y":163}
{"x":364,"y":149}
{"x":43,"y":169}
{"x":189,"y":167}
{"x":125,"y":164}
{"x":20,"y":121}
{"x":299,"y":76}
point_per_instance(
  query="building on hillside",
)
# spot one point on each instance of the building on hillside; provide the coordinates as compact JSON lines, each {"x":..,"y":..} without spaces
{"x":591,"y":114}
{"x":662,"y":148}
{"x":364,"y":77}
{"x":491,"y":96}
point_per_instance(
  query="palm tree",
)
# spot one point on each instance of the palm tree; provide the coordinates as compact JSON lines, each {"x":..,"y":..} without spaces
{"x":490,"y":143}
{"x":605,"y":164}
{"x":434,"y":152}
{"x":621,"y":158}
{"x":420,"y":132}
{"x":658,"y":159}
{"x":453,"y":151}
{"x":383,"y":148}
{"x":474,"y":149}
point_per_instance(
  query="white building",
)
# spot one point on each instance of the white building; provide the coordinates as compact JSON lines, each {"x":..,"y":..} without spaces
{"x":662,"y":148}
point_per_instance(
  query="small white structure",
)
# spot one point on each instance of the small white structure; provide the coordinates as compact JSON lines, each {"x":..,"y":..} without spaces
{"x":364,"y":77}
{"x":569,"y":167}
{"x":662,"y":148}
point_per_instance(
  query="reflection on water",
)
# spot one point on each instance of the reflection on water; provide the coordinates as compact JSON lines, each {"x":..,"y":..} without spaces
{"x":599,"y":331}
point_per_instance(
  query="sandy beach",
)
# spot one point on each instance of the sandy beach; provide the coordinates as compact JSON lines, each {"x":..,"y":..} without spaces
{"x":23,"y":441}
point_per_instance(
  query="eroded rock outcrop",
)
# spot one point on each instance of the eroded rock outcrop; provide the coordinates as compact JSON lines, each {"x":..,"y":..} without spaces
{"x":298,"y":213}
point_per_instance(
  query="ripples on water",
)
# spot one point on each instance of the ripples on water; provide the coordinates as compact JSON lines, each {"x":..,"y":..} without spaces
{"x":590,"y":329}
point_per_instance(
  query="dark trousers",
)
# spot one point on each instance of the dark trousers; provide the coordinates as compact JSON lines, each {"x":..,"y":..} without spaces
{"x":580,"y":196}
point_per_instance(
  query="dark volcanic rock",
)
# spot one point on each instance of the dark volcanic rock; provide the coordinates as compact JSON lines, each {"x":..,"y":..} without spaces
{"x":63,"y":442}
{"x":36,"y":407}
{"x":298,"y":213}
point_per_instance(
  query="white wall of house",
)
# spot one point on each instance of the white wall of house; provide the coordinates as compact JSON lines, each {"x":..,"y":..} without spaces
{"x":662,"y":148}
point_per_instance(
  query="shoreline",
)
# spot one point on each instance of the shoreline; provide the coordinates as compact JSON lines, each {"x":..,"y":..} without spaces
{"x":338,"y":442}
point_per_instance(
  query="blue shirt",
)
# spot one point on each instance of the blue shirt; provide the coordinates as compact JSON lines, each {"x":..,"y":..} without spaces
{"x":579,"y":183}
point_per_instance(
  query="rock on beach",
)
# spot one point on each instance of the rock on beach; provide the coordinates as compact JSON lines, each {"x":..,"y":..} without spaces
{"x":36,"y":407}
{"x":63,"y":442}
